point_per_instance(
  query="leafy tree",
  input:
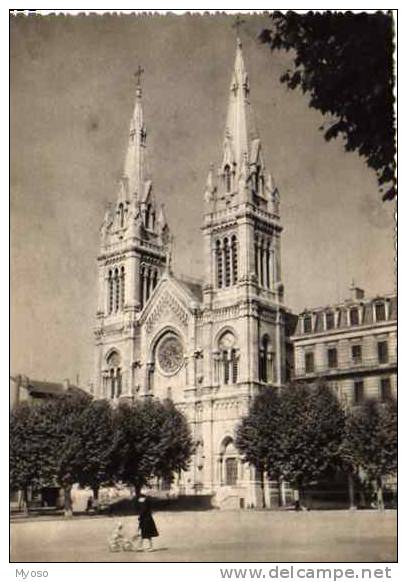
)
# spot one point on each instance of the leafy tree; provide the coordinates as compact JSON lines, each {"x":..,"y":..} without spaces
{"x":371,"y":442}
{"x":30,"y":463}
{"x":176,"y":445}
{"x":344,"y":62}
{"x":43,"y":443}
{"x":152,"y":439}
{"x":312,"y":424}
{"x":258,"y":434}
{"x":94,"y":437}
{"x":59,"y":419}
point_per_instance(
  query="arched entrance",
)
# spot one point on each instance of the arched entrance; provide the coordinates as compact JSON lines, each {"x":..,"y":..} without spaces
{"x":228,"y":463}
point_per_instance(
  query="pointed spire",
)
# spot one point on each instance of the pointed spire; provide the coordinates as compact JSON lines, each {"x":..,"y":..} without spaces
{"x":238,"y":125}
{"x":134,"y":165}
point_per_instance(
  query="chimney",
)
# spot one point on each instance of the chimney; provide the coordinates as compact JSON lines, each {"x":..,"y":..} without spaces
{"x":357,"y":293}
{"x":65,"y":384}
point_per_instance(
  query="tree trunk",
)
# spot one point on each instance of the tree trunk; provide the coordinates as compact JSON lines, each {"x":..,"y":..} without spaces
{"x":23,"y":500}
{"x":281,"y":492}
{"x":67,"y":501}
{"x":379,"y":494}
{"x":95,"y":490}
{"x":263,"y":496}
{"x":296,"y":494}
{"x":351,"y":489}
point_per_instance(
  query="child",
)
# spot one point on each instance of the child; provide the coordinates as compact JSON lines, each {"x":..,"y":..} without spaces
{"x":116,"y":540}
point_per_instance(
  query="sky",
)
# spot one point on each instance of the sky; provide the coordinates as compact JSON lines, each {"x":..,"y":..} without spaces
{"x":72,"y":96}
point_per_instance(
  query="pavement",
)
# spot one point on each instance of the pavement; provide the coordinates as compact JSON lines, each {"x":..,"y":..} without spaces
{"x":216,"y":536}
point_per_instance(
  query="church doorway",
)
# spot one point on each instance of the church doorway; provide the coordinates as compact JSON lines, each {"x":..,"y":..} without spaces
{"x":229,"y":463}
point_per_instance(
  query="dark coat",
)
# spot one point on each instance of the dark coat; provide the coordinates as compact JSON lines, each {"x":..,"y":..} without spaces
{"x":146,"y":522}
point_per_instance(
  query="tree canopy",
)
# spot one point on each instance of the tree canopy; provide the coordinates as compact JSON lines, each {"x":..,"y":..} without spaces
{"x":371,"y":441}
{"x":344,"y":63}
{"x":295,"y":433}
{"x":152,"y":439}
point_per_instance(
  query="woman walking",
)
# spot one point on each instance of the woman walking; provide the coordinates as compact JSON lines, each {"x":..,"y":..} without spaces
{"x":147,"y":527}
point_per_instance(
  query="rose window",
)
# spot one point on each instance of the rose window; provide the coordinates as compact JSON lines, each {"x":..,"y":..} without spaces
{"x":170,"y":355}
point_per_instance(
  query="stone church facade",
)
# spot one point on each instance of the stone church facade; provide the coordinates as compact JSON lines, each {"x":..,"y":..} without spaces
{"x":210,"y":345}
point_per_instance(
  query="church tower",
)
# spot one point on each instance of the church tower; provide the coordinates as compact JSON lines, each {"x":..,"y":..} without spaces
{"x":242,"y":233}
{"x":132,"y":257}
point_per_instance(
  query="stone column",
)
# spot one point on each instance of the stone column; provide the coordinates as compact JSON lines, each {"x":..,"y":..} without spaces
{"x":145,"y":286}
{"x":265,"y":266}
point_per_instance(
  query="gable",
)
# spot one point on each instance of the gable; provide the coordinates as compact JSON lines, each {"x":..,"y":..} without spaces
{"x":169,"y":303}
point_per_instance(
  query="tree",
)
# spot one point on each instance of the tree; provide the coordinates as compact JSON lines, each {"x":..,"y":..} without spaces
{"x":94,"y":436}
{"x":152,"y":439}
{"x":312,"y":424}
{"x":59,"y":425}
{"x":176,"y":445}
{"x":44,"y":444}
{"x":344,"y":62}
{"x":371,"y":442}
{"x":30,"y":463}
{"x":258,"y":434}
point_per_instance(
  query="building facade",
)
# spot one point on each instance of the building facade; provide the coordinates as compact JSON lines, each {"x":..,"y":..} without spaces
{"x":208,"y":345}
{"x":211,"y":345}
{"x":350,"y":345}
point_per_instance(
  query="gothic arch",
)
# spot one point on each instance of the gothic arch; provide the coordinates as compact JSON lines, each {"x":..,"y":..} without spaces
{"x":228,"y":461}
{"x":113,"y":376}
{"x":223,"y":331}
{"x":110,"y":353}
{"x":155,"y":340}
{"x":226,"y":440}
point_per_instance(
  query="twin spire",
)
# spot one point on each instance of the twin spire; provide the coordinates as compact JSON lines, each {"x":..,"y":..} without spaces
{"x":133,"y":174}
{"x":242,"y":170}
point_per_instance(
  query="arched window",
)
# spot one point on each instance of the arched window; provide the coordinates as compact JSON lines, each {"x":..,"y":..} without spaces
{"x":141,"y":282}
{"x":234,"y":364}
{"x":152,"y":220}
{"x":228,"y":179}
{"x":110,"y":291}
{"x":231,"y":471}
{"x":263,"y":359}
{"x":267,"y":259}
{"x":121,"y":215}
{"x":122,"y":287}
{"x":226,"y":367}
{"x":148,"y":213}
{"x":112,"y":383}
{"x":229,"y":358}
{"x":256,"y":256}
{"x":229,"y":463}
{"x":115,"y":374}
{"x":148,"y":284}
{"x":155,"y":279}
{"x":118,"y":382}
{"x":226,"y":253}
{"x":234,"y":260}
{"x":219,"y":264}
{"x":257,"y":179}
{"x":261,"y":263}
{"x":116,"y":290}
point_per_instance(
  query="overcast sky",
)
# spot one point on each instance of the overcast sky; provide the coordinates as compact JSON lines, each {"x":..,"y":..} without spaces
{"x":72,"y":95}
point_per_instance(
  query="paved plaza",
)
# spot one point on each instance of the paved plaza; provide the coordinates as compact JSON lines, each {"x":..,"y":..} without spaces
{"x":216,"y":536}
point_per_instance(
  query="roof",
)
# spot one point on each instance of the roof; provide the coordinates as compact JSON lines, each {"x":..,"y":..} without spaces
{"x":341,"y":311}
{"x":42,"y":388}
{"x":193,"y":287}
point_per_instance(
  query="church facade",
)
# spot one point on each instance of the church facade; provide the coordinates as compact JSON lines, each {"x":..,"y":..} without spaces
{"x":208,"y":345}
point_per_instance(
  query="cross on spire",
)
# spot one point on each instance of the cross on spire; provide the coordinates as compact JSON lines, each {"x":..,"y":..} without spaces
{"x":237,"y":24}
{"x":138,"y":74}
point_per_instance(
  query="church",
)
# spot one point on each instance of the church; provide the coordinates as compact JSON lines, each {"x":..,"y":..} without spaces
{"x":208,"y":345}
